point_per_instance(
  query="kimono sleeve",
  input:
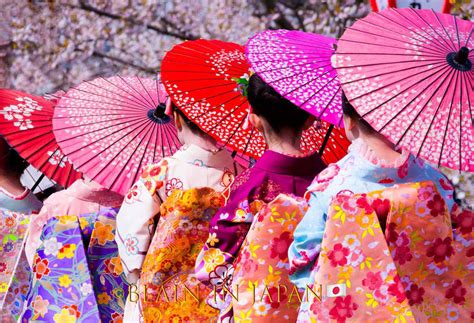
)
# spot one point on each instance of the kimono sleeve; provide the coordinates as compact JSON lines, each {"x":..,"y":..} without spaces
{"x":135,"y":220}
{"x":306,"y":246}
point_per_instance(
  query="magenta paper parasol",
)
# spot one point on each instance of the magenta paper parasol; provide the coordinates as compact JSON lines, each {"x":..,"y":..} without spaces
{"x":409,"y":74}
{"x":298,"y":66}
{"x":26,"y":123}
{"x":112,"y":127}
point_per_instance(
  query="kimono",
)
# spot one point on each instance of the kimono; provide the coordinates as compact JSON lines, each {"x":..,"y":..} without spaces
{"x":358,"y":172}
{"x":77,"y":274}
{"x":421,"y":269}
{"x":190,"y":167}
{"x":274,"y":173}
{"x":169,"y":290}
{"x":265,"y":292}
{"x":15,"y":215}
{"x":80,"y":198}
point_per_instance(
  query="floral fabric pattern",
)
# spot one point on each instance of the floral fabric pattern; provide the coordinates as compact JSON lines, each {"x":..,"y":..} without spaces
{"x":420,"y":269}
{"x":262,"y":264}
{"x":14,"y":269}
{"x":77,"y":274}
{"x":180,"y":235}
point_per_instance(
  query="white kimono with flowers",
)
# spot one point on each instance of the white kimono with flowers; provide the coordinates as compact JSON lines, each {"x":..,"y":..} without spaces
{"x":190,"y":167}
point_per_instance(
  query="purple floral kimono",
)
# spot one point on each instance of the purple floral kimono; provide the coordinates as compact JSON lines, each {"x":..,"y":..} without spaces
{"x":77,"y":274}
{"x":273,"y":174}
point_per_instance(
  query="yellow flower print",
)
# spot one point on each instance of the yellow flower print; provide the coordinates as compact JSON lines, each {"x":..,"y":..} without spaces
{"x":103,"y":233}
{"x":339,"y":214}
{"x":344,"y":275}
{"x":83,"y":223}
{"x":3,"y":287}
{"x":212,"y":258}
{"x":371,"y":302}
{"x":67,"y":251}
{"x":64,"y":219}
{"x":65,"y":281}
{"x":212,"y":240}
{"x":64,"y":317}
{"x":103,"y":298}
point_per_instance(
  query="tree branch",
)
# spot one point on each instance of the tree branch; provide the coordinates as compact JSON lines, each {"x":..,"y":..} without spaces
{"x":124,"y":62}
{"x":164,"y":31}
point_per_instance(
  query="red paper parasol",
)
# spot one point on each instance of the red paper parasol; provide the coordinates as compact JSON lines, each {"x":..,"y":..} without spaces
{"x":409,"y":74}
{"x":112,"y":127}
{"x":207,"y":80}
{"x":26,"y":124}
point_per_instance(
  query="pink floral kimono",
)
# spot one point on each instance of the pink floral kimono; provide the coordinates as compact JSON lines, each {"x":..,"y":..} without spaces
{"x":420,"y":269}
{"x":15,"y":215}
{"x":265,"y":292}
{"x":191,"y":167}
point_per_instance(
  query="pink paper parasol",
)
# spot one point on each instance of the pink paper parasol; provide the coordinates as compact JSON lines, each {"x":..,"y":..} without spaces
{"x":409,"y":74}
{"x":26,"y":123}
{"x":112,"y":127}
{"x":298,"y":66}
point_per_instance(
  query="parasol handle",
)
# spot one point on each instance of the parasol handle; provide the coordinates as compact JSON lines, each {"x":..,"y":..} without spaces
{"x":159,"y":112}
{"x":460,"y":59}
{"x":461,"y":55}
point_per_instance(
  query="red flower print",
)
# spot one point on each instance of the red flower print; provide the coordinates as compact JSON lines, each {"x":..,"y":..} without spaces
{"x":373,"y":280}
{"x":117,"y":318}
{"x":73,"y":310}
{"x":386,"y":181}
{"x":391,"y":234}
{"x":321,"y":182}
{"x":445,"y":184}
{"x":396,"y":289}
{"x":280,"y":246}
{"x":456,"y":292}
{"x":3,"y":267}
{"x":343,"y":308}
{"x":402,"y":255}
{"x":40,"y":267}
{"x":403,"y":170}
{"x":273,"y":298}
{"x":440,"y":249}
{"x":464,"y":221}
{"x":363,"y":203}
{"x":338,"y":256}
{"x":173,"y":184}
{"x":436,"y":205}
{"x":402,"y":240}
{"x":133,"y":193}
{"x":415,"y":294}
{"x":381,"y":208}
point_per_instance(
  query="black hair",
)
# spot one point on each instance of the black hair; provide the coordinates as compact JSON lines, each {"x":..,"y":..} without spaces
{"x":349,"y":110}
{"x":14,"y":162}
{"x":280,"y":113}
{"x":191,"y":125}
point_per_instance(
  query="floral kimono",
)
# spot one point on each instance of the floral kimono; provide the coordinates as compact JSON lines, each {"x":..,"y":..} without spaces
{"x":80,"y":198}
{"x":358,"y":172}
{"x":182,"y":230}
{"x":15,"y":216}
{"x":77,"y":273}
{"x":274,"y":173}
{"x":265,"y":293}
{"x":191,"y":167}
{"x":419,"y":270}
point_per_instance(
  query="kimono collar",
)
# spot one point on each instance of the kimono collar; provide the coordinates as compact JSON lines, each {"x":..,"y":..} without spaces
{"x":274,"y":162}
{"x":193,"y":154}
{"x":359,"y":163}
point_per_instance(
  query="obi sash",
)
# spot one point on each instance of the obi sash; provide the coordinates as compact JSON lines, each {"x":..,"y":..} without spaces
{"x":261,"y":288}
{"x":169,"y":290}
{"x":419,"y":269}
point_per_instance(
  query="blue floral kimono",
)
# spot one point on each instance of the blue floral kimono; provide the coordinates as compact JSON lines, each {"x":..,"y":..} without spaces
{"x":358,"y":172}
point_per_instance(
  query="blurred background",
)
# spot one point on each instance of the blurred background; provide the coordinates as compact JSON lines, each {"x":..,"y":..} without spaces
{"x":46,"y":46}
